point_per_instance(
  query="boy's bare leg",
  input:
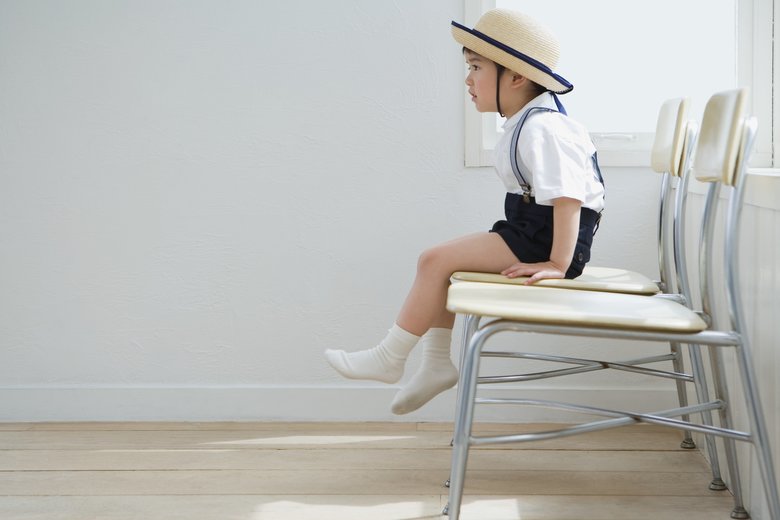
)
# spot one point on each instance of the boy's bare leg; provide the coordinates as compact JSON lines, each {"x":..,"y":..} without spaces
{"x":425,"y":305}
{"x":425,"y":309}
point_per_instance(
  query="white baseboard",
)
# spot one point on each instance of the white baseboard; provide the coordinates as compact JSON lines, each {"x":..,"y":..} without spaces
{"x":293,"y":403}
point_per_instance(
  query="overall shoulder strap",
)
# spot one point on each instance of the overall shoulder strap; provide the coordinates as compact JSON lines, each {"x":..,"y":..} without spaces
{"x":513,"y":149}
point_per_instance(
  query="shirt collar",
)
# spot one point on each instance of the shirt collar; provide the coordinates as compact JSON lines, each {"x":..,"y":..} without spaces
{"x":545,"y":99}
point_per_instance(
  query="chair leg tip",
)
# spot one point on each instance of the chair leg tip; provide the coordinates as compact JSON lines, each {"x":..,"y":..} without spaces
{"x":688,"y":444}
{"x":739,"y":513}
{"x":717,"y":484}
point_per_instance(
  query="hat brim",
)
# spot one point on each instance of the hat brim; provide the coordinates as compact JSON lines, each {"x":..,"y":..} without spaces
{"x":510,"y":58}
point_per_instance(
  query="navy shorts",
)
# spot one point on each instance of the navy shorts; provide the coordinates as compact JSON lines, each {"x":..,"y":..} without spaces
{"x":528,"y":231}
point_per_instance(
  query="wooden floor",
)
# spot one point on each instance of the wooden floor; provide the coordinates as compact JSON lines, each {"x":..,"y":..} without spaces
{"x":272,"y":471}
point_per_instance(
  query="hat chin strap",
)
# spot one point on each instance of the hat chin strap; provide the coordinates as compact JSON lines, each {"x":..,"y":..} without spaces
{"x":558,"y":103}
{"x":499,"y":71}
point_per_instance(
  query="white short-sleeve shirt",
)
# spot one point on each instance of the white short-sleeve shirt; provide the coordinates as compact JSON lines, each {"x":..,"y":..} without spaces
{"x":554,"y":155}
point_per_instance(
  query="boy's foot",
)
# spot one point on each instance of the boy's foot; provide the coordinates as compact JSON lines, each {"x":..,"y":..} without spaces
{"x":384,"y":363}
{"x":426,"y":384}
{"x":373,"y":364}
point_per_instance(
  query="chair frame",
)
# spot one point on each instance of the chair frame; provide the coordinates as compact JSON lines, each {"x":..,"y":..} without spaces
{"x":673,"y":168}
{"x":715,"y":339}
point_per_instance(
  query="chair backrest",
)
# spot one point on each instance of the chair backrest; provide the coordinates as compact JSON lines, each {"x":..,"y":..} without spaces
{"x":666,"y":158}
{"x":680,"y":211}
{"x":724,"y":146}
{"x":731,"y":241}
{"x":667,"y":153}
{"x":720,"y":136}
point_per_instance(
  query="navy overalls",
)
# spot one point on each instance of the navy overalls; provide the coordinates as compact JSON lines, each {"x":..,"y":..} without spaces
{"x":528,"y":228}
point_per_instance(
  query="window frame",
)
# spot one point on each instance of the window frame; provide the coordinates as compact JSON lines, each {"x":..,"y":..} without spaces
{"x":756,"y":51}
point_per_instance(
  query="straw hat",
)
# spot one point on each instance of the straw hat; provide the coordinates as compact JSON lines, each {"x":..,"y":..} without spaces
{"x":519,"y":43}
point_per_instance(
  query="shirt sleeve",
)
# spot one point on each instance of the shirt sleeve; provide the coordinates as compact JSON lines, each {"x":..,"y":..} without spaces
{"x":558,"y":167}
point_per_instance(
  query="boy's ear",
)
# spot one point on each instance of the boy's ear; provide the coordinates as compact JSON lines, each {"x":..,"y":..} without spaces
{"x":519,"y":81}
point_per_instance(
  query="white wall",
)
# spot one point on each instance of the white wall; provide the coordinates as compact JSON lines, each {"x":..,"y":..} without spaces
{"x":197,"y":198}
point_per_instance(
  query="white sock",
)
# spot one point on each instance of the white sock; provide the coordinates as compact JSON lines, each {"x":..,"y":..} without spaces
{"x":384,"y":363}
{"x":436,"y":374}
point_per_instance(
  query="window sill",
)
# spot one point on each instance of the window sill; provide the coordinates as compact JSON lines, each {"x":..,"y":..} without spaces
{"x":762,"y":189}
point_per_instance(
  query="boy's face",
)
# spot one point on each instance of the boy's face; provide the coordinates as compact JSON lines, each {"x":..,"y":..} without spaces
{"x":481,"y":81}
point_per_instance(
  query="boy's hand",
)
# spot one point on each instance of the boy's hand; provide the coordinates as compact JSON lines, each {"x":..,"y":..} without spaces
{"x":536,"y":271}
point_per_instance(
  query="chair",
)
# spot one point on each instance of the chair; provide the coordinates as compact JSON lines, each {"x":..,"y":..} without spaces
{"x":667,"y":158}
{"x":724,"y":144}
{"x":674,"y":140}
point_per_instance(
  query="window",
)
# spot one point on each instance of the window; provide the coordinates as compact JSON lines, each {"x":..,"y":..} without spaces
{"x":626,"y":58}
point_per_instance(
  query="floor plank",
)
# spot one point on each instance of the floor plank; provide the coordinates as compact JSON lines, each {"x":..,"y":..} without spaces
{"x":226,"y":426}
{"x":343,"y":481}
{"x":362,"y":507}
{"x":143,"y":459}
{"x":343,"y":438}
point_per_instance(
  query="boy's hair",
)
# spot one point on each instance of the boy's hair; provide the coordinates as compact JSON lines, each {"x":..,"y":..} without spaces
{"x":538,"y":89}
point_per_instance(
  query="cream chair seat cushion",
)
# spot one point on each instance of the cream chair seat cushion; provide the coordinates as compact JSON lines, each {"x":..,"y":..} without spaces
{"x":555,"y":306}
{"x":604,"y":279}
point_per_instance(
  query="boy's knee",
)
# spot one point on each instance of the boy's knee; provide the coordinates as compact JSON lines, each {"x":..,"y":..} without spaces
{"x":431,"y":260}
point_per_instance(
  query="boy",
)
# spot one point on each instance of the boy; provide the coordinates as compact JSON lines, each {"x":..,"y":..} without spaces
{"x":554,"y":197}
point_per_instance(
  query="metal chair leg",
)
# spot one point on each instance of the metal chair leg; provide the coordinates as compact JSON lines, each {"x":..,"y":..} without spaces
{"x":463,"y":423}
{"x":759,"y":429}
{"x":470,"y":324}
{"x":682,"y":395}
{"x":703,"y":396}
{"x":722,"y":393}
